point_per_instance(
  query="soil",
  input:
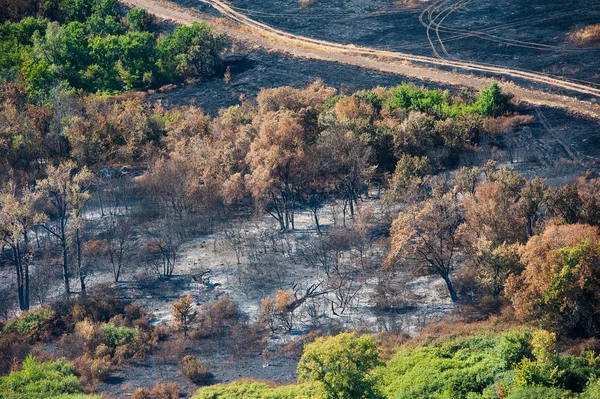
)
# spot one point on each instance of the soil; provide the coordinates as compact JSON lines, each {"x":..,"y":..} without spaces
{"x":513,"y":33}
{"x":248,"y":30}
{"x":558,"y":145}
{"x":255,"y":70}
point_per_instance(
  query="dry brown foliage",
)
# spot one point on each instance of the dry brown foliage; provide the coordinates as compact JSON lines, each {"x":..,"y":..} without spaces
{"x":585,"y":36}
{"x":295,"y":349}
{"x":160,"y":391}
{"x":93,"y":370}
{"x":184,"y":314}
{"x":559,"y":286}
{"x":194,"y":370}
{"x":502,"y":125}
{"x":291,"y":99}
{"x":167,"y":390}
{"x":302,"y":4}
{"x":390,"y":341}
{"x":491,"y":213}
{"x":351,"y":108}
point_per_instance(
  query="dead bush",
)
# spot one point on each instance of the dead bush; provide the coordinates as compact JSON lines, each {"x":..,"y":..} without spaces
{"x":194,"y":370}
{"x":120,"y":321}
{"x":90,"y":334}
{"x":390,"y":296}
{"x":390,"y":342}
{"x":12,"y":351}
{"x":294,"y":349}
{"x":302,"y":4}
{"x":93,"y":370}
{"x":585,"y":36}
{"x":135,"y":312}
{"x":579,"y":346}
{"x":246,"y":338}
{"x":219,"y":315}
{"x":167,"y":390}
{"x":100,"y":309}
{"x":71,"y":346}
{"x":102,"y":351}
{"x":141,"y":393}
{"x":506,"y":124}
{"x":183,"y":313}
{"x":170,"y":351}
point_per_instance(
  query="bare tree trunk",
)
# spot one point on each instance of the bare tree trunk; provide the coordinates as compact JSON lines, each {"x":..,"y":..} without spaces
{"x":100,"y":202}
{"x":451,"y":290}
{"x":20,"y":278}
{"x":65,"y":265}
{"x":26,"y":272}
{"x":317,"y":221}
{"x":79,"y":263}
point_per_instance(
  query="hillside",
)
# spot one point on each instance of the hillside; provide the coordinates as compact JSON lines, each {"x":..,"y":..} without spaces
{"x":299,"y":199}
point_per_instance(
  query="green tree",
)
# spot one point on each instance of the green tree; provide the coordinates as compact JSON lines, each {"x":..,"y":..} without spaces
{"x":50,"y":47}
{"x":98,"y":25}
{"x":342,"y":364}
{"x":77,"y":10}
{"x":191,"y":50}
{"x":135,"y":66}
{"x":15,"y":39}
{"x":37,"y":76}
{"x":491,"y":101}
{"x":138,"y":19}
{"x":408,"y":178}
{"x":80,"y":10}
{"x":101,"y":74}
{"x":76,"y":52}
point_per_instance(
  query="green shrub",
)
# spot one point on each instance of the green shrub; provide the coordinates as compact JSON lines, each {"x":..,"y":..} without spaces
{"x":539,"y":392}
{"x":258,"y":390}
{"x":114,"y":336}
{"x":52,"y":379}
{"x":592,"y":391}
{"x":341,"y":365}
{"x":517,"y":364}
{"x":454,"y":367}
{"x":32,"y":324}
{"x":536,"y":373}
{"x":489,"y":102}
{"x":514,"y":347}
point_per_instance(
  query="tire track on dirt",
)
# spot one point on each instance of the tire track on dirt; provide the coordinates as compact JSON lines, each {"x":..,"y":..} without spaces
{"x":418,"y":67}
{"x":485,"y":35}
{"x":456,"y":6}
{"x":344,"y":49}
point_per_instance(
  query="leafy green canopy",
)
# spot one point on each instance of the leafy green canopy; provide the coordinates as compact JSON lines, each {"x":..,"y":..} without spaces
{"x":517,"y":364}
{"x":407,"y":96}
{"x":258,"y":390}
{"x":89,"y":46}
{"x":30,"y":323}
{"x":48,"y":380}
{"x":342,"y":365}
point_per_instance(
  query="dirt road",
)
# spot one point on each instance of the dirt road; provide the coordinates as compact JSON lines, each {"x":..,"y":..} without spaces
{"x":419,"y":67}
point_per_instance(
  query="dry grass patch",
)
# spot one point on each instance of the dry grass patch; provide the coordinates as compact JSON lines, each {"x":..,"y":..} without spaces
{"x":306,"y":3}
{"x":585,"y":36}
